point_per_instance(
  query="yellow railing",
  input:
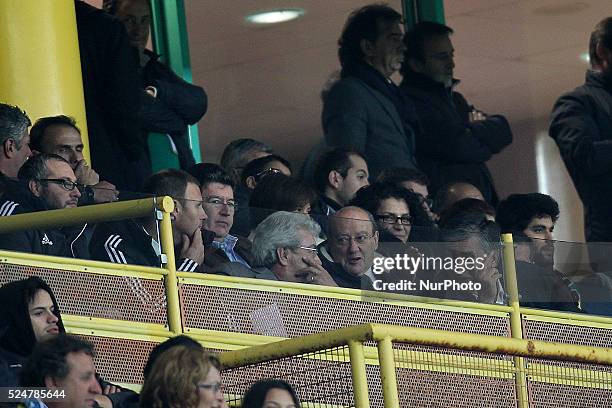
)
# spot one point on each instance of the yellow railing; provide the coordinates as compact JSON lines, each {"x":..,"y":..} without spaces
{"x":448,"y":355}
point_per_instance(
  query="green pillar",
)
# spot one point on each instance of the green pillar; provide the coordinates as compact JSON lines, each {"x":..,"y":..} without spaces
{"x":170,"y":40}
{"x":422,"y":10}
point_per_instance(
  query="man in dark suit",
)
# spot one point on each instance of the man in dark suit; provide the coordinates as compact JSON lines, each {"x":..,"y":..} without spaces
{"x":457,"y":140}
{"x":365,"y":111}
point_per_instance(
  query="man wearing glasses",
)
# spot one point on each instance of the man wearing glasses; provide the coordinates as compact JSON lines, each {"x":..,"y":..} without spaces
{"x":50,"y":184}
{"x":348,"y":253}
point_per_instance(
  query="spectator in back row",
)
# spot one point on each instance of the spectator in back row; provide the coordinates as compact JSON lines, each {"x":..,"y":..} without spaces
{"x":449,"y":194}
{"x":218,"y":201}
{"x":15,"y":142}
{"x":48,"y":183}
{"x":169,"y":104}
{"x":241,"y":152}
{"x":136,"y":241}
{"x":413,"y":180}
{"x":60,"y":135}
{"x":457,"y":140}
{"x":365,"y":110}
{"x":284,"y":247}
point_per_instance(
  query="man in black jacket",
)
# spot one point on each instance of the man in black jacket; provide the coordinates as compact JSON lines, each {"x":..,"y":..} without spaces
{"x":457,"y":140}
{"x":581,"y":124}
{"x":169,"y":104}
{"x":136,"y":242}
{"x":47,"y":182}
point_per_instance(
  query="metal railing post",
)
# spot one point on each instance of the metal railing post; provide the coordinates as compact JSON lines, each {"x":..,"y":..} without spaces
{"x":166,"y":206}
{"x":387,"y":373}
{"x":359,"y":375}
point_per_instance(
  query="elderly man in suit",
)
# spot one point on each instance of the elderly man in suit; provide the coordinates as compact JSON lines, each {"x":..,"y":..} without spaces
{"x":364,"y":110}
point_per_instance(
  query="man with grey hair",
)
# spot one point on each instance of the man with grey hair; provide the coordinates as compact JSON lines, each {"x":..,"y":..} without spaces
{"x":239,"y":153}
{"x":349,"y":252}
{"x":15,"y":140}
{"x":285,"y":245}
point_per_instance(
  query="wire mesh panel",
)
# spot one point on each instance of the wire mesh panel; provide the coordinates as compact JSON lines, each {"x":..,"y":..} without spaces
{"x":432,"y":377}
{"x":321,"y":379}
{"x":571,"y":385}
{"x":120,"y":360}
{"x":96,"y":295}
{"x":293,"y":315}
{"x":566,"y":333}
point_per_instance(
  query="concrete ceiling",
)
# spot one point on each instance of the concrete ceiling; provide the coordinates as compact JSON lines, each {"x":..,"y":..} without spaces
{"x":513,"y":56}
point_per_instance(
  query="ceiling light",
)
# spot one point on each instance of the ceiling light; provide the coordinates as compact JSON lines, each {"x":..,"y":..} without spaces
{"x":585,"y":57}
{"x":275,"y":16}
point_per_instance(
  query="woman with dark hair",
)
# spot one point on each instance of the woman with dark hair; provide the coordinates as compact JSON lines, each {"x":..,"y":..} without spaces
{"x":270,"y":394}
{"x":277,"y":192}
{"x":396,"y":210}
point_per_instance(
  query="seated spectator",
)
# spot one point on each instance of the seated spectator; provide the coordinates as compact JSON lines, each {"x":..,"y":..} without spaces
{"x":532,"y":217}
{"x":468,"y":206}
{"x":218,"y":200}
{"x":49,"y":184}
{"x":395,"y":209}
{"x":270,"y":394}
{"x":453,"y":192}
{"x":64,"y":363}
{"x":349,"y":251}
{"x":169,"y":104}
{"x":30,"y":314}
{"x":183,"y":377}
{"x":472,"y":236}
{"x":278,"y":192}
{"x":241,"y":152}
{"x":252,"y":174}
{"x":338,"y":175}
{"x":15,"y":140}
{"x":60,"y":135}
{"x":284,"y":248}
{"x":136,"y":241}
{"x":413,"y":180}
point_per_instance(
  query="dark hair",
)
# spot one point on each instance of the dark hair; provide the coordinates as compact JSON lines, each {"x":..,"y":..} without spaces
{"x":13,"y":123}
{"x":260,"y":164}
{"x":399,"y":175}
{"x":370,"y":197}
{"x":415,"y":38}
{"x":207,"y":173}
{"x":338,"y":159}
{"x":170,"y":182}
{"x":279,"y":193}
{"x":233,"y":154}
{"x":38,"y":130}
{"x":48,"y":359}
{"x":601,"y":34}
{"x":363,"y":23}
{"x":256,"y":395}
{"x":516,"y":211}
{"x":466,"y":206}
{"x":166,"y":345}
{"x":35,"y":168}
{"x":111,"y":6}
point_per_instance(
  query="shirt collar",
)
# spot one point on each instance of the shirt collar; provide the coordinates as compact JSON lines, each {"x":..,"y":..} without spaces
{"x":229,"y":242}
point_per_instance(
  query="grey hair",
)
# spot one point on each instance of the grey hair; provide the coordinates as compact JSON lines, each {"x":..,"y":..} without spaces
{"x":14,"y":122}
{"x":279,"y":230}
{"x":233,"y":154}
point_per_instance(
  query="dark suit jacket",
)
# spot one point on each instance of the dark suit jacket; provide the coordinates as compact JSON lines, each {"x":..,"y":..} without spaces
{"x":214,"y":256}
{"x":359,"y":117}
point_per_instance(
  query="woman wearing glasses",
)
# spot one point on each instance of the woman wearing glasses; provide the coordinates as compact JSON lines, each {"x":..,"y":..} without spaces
{"x":183,"y":377}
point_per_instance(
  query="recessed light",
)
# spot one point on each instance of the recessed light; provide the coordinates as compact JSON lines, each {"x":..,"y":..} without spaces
{"x":275,"y":16}
{"x":584,"y":57}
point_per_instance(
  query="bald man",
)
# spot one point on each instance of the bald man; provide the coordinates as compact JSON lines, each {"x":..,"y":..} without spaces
{"x":453,"y":192}
{"x":350,"y":249}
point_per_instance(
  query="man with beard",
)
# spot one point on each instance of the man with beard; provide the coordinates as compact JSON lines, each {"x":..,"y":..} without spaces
{"x":531,"y":219}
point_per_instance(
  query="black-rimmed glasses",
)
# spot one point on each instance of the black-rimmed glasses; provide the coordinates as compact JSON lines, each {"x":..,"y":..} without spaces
{"x":392,"y":219}
{"x":67,"y":184}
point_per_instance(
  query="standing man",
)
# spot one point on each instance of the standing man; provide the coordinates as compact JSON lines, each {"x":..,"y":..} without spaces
{"x":365,"y":110}
{"x":457,"y":140}
{"x":15,"y":143}
{"x":581,"y":124}
{"x":169,"y":104}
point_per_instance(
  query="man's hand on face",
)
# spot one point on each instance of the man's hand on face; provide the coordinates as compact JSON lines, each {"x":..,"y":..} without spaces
{"x":193,"y":247}
{"x":314,"y":273}
{"x":487,"y":277}
{"x":105,"y":192}
{"x":85,"y":174}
